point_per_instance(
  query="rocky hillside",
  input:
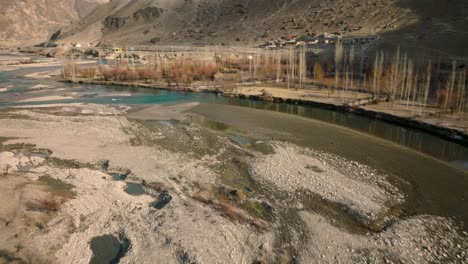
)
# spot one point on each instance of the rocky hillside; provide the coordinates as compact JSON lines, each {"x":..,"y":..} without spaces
{"x":432,"y":25}
{"x":427,"y":26}
{"x":31,"y":21}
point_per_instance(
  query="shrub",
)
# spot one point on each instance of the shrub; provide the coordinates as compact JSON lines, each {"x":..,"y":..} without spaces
{"x":319,"y":73}
{"x":149,"y":74}
{"x":87,"y":72}
{"x":120,"y":73}
{"x":70,"y":71}
{"x":267,"y":71}
{"x":232,"y":212}
{"x":50,"y":203}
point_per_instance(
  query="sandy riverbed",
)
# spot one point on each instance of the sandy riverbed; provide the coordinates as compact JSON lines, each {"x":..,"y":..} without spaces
{"x":44,"y":74}
{"x":186,"y":228}
{"x":15,"y":65}
{"x":100,"y":201}
{"x":351,"y":184}
{"x":46,"y":98}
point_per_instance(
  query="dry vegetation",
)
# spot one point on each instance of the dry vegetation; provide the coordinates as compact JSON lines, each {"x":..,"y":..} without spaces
{"x":394,"y":77}
{"x":390,"y":77}
{"x":178,"y":72}
{"x":229,"y":206}
{"x":49,"y":203}
{"x":52,"y":202}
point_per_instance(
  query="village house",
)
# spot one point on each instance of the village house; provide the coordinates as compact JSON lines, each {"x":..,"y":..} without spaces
{"x":321,"y":41}
{"x":358,"y":40}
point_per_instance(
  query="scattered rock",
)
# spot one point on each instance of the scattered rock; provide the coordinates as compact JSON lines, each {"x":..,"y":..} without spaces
{"x":164,"y":199}
{"x":105,"y":165}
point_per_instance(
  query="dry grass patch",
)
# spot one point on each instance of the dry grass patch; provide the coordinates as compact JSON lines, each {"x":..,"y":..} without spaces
{"x":52,"y":202}
{"x":229,"y":207}
{"x":49,"y":203}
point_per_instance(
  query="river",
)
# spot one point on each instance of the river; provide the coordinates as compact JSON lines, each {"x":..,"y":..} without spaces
{"x":431,"y":171}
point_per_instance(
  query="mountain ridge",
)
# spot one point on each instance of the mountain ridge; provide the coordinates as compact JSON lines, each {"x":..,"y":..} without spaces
{"x":424,"y":26}
{"x":413,"y":23}
{"x":31,"y":21}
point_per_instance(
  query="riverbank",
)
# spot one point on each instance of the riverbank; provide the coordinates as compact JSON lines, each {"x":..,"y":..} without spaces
{"x":449,"y":126}
{"x":212,"y":184}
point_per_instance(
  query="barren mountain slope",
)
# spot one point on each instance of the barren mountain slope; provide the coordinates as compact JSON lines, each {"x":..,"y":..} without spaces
{"x":416,"y":22}
{"x":31,"y":21}
{"x":84,"y":7}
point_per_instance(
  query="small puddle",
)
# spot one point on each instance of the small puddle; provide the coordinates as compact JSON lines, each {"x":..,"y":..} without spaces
{"x":134,"y":189}
{"x":118,"y":176}
{"x":108,"y":249}
{"x":239,"y":139}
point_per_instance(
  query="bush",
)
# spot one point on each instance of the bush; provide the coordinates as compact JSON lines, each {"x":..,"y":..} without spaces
{"x":70,"y":71}
{"x":319,"y":73}
{"x":177,"y":72}
{"x":120,"y":73}
{"x":88,"y":72}
{"x":149,"y":74}
{"x":267,"y":71}
{"x":51,"y":203}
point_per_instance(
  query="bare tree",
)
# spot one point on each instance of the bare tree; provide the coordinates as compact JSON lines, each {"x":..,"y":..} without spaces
{"x":415,"y":91}
{"x":404,"y":76}
{"x":351,"y":66}
{"x":290,"y":68}
{"x":427,"y":84}
{"x":450,"y":87}
{"x":394,"y":77}
{"x":302,"y":66}
{"x":409,"y":82}
{"x":338,"y":60}
{"x":461,"y":92}
{"x":377,"y":75}
{"x":319,"y":73}
{"x":278,"y":66}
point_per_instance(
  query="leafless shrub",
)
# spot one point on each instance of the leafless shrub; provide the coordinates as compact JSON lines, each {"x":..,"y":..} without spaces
{"x":228,"y":208}
{"x":87,"y":72}
{"x":70,"y":71}
{"x":149,"y":74}
{"x":319,"y":73}
{"x":50,"y":203}
{"x":230,"y":211}
{"x":120,"y":73}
